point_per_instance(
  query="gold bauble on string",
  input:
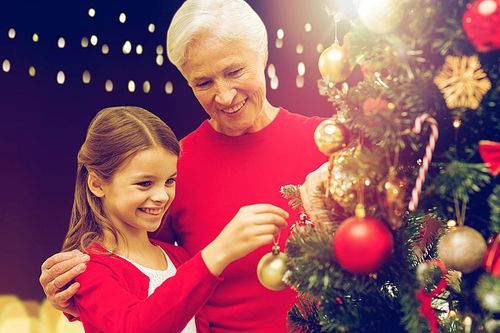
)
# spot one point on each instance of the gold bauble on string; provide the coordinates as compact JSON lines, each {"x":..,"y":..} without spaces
{"x":331,"y":136}
{"x":271,"y":269}
{"x":333,"y":62}
{"x":462,"y":248}
{"x":391,"y":195}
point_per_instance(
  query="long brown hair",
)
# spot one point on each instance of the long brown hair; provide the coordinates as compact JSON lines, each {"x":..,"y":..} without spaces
{"x":114,"y":136}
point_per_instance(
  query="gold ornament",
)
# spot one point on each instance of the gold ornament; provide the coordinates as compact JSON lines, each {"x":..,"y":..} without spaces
{"x":331,"y":136}
{"x":462,"y":248}
{"x":462,"y":82}
{"x":333,"y":63}
{"x":271,"y":269}
{"x":381,"y":16}
{"x":391,"y":196}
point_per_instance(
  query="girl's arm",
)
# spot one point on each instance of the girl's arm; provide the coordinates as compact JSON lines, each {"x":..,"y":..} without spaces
{"x":107,"y":298}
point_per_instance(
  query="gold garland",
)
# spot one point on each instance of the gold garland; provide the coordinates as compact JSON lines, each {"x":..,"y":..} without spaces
{"x":462,"y":82}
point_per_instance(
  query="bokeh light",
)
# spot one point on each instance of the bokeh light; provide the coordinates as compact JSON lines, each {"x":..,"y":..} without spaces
{"x":299,"y":81}
{"x":86,"y":77}
{"x":301,"y":68}
{"x":85,"y":42}
{"x":12,"y":33}
{"x":105,"y":49}
{"x":169,"y":87}
{"x":6,"y":65}
{"x":32,"y":71}
{"x":109,"y":86}
{"x":271,"y":71}
{"x":299,"y":49}
{"x":61,"y":77}
{"x":159,"y":49}
{"x":138,"y":49}
{"x":307,"y":27}
{"x":151,"y":28}
{"x":93,"y":40}
{"x":127,"y":47}
{"x":146,"y":86}
{"x":279,"y":43}
{"x":274,"y":82}
{"x":35,"y":38}
{"x":280,"y":33}
{"x":61,"y":43}
{"x":91,"y":12}
{"x":131,"y":86}
{"x":159,"y":60}
{"x":122,"y":18}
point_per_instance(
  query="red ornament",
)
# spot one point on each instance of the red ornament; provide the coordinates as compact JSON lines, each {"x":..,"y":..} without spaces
{"x":481,"y":22}
{"x":491,"y":263}
{"x":490,"y":153}
{"x":372,"y":104}
{"x":362,"y":245}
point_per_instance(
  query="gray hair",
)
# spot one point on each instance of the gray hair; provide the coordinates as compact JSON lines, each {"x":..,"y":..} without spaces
{"x":227,"y":20}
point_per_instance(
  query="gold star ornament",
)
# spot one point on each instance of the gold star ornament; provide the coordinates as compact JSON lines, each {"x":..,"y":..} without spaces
{"x":462,"y":82}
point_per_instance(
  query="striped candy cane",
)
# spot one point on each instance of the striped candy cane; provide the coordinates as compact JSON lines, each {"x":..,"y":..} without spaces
{"x":429,"y":150}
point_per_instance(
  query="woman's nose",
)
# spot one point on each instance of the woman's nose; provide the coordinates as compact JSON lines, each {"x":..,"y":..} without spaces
{"x":225,"y":94}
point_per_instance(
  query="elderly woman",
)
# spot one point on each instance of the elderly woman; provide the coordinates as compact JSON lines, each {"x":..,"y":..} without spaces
{"x":242,"y":155}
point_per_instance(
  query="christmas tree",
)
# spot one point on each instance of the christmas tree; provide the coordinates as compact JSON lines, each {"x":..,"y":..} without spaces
{"x":413,"y":143}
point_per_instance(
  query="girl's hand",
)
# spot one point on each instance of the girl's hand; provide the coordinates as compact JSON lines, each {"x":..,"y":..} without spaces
{"x":252,"y":227}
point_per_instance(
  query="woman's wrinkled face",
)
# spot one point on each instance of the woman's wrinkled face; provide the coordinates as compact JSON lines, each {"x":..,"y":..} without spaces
{"x":229,"y":82}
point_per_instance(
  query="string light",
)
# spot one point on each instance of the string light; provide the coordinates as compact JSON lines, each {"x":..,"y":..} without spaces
{"x":122,"y":18}
{"x":93,"y":40}
{"x":32,"y":71}
{"x":457,"y":122}
{"x":12,"y":33}
{"x":280,"y":33}
{"x":138,"y":49}
{"x":91,"y":12}
{"x":151,"y":28}
{"x":451,"y":223}
{"x":35,"y":38}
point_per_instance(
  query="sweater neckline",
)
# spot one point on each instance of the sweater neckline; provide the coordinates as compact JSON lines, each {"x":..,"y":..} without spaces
{"x":246,"y":138}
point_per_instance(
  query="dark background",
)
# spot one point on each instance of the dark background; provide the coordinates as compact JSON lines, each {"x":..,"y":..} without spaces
{"x":43,"y":123}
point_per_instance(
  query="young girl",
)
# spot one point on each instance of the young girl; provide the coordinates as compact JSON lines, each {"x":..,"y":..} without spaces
{"x":125,"y":183}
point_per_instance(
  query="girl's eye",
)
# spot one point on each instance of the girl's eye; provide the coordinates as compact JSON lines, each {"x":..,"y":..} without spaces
{"x":144,"y":184}
{"x":170,"y":181}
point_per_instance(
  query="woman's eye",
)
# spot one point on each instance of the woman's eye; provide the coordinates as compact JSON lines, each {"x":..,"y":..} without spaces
{"x":203,"y":84}
{"x":236,"y":72}
{"x":144,"y":184}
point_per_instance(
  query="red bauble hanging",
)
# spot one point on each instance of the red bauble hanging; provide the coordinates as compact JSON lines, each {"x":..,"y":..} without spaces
{"x":362,"y":245}
{"x":481,"y":22}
